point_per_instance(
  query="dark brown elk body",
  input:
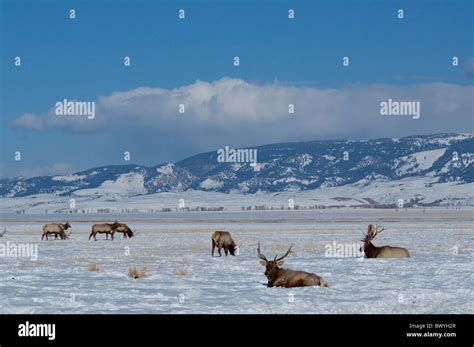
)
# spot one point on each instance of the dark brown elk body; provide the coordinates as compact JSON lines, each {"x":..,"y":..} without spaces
{"x":56,"y":229}
{"x":372,"y":251}
{"x":279,"y":277}
{"x":125,"y":230}
{"x":105,"y":228}
{"x":223,"y":239}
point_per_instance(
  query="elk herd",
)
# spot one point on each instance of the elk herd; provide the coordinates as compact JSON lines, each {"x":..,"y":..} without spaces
{"x":276,"y":275}
{"x":59,"y":230}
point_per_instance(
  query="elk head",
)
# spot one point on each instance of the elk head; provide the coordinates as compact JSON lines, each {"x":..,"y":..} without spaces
{"x":272,"y":267}
{"x":67,"y":226}
{"x":372,"y":231}
{"x":236,"y":250}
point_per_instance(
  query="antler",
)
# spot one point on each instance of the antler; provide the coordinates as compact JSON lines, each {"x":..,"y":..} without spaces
{"x":378,"y":230}
{"x":260,"y":255}
{"x":372,"y":231}
{"x":285,"y":255}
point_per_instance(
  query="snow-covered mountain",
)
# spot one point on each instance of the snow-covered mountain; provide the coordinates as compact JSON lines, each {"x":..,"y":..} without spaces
{"x":282,"y":167}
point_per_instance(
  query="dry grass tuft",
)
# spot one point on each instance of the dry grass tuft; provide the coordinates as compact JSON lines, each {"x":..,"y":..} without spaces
{"x":180,"y":272}
{"x":135,"y":273}
{"x":94,"y":267}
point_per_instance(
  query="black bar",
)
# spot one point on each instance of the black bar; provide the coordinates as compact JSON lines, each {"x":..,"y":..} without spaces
{"x":366,"y":330}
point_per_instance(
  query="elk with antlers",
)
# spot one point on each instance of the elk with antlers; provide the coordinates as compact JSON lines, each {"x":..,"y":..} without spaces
{"x":105,"y":228}
{"x":279,"y":277}
{"x":125,"y":230}
{"x":372,"y":251}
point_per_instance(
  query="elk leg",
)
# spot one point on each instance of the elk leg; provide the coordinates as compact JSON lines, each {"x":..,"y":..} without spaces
{"x":226,"y":250}
{"x":219,"y":250}
{"x":91,"y":235}
{"x":112,"y":236}
{"x":213,"y":246}
{"x":107,"y":236}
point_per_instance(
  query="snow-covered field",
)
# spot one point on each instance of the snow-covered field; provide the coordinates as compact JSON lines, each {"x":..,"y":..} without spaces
{"x":360,"y":193}
{"x":182,"y":277}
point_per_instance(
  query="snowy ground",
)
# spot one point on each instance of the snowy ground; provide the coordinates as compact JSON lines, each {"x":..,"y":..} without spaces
{"x":182,"y":277}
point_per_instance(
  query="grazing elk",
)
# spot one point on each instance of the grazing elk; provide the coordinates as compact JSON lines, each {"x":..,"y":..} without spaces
{"x":223,"y":239}
{"x":63,"y":236}
{"x":125,"y":230}
{"x":56,"y":229}
{"x":372,"y":251}
{"x":279,"y":277}
{"x":105,"y":228}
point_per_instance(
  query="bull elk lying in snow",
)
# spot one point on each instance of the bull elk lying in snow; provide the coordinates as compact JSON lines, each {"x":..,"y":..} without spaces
{"x":105,"y":228}
{"x":56,"y":229}
{"x":223,"y":239}
{"x":372,"y":251}
{"x":279,"y":277}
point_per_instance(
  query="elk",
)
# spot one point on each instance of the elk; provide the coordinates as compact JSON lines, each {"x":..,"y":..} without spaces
{"x":125,"y":230}
{"x":372,"y":251}
{"x":223,"y":239}
{"x":55,"y":229}
{"x":105,"y":228}
{"x":63,"y":236}
{"x":279,"y":277}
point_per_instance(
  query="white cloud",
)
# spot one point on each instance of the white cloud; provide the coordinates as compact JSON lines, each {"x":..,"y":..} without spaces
{"x":232,"y":111}
{"x":29,"y":121}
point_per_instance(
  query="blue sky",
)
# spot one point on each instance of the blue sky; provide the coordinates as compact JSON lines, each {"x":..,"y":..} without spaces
{"x":83,"y":59}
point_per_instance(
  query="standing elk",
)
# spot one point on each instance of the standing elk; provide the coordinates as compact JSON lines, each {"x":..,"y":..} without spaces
{"x":125,"y":230}
{"x":105,"y":228}
{"x":279,"y":277}
{"x":372,"y":251}
{"x":223,"y":239}
{"x":56,"y":229}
